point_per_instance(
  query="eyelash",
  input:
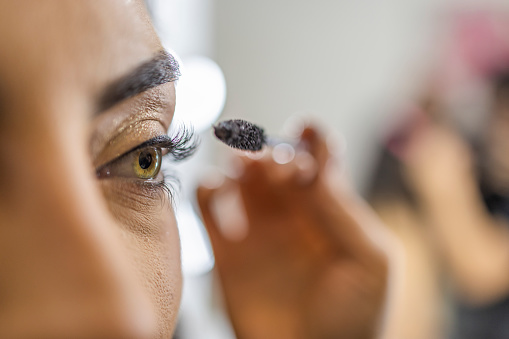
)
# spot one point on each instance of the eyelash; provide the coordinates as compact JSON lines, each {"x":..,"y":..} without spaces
{"x":181,"y":146}
{"x":184,"y":145}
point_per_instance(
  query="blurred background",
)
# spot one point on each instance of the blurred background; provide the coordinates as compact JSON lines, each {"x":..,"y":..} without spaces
{"x":362,"y":69}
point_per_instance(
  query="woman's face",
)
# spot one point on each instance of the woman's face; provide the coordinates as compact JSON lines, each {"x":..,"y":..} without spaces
{"x":88,"y":239}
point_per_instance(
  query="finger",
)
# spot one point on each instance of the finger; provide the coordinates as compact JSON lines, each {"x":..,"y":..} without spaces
{"x":257,"y":184}
{"x":264,"y":192}
{"x":270,"y":191}
{"x":226,"y":212}
{"x":347,"y":221}
{"x":210,"y":204}
{"x":204,"y":197}
{"x":281,"y":168}
{"x":268,"y":177}
{"x":335,"y":207}
{"x":315,"y":143}
{"x":307,"y":169}
{"x":278,"y":166}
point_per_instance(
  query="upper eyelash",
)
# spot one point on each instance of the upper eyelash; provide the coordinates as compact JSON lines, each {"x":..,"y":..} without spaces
{"x":180,"y":147}
{"x":185,"y":143}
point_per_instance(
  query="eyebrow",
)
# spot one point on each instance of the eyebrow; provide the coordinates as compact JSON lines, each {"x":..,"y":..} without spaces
{"x":161,"y":69}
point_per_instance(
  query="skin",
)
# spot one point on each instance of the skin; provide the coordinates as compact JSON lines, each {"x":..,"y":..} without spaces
{"x":311,"y":264}
{"x":80,"y":257}
{"x":420,"y":274}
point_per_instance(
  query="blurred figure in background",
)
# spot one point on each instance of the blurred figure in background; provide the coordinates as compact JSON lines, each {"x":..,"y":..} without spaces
{"x":442,"y":190}
{"x":419,"y":308}
{"x":465,"y":208}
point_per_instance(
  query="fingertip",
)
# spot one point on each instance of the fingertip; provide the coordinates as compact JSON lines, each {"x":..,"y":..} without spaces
{"x":309,"y":133}
{"x":257,"y":155}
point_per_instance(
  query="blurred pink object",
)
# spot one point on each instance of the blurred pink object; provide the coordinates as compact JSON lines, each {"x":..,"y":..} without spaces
{"x":478,"y":48}
{"x":483,"y":42}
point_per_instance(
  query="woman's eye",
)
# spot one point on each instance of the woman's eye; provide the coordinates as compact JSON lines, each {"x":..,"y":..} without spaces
{"x":148,"y":163}
{"x":143,"y":163}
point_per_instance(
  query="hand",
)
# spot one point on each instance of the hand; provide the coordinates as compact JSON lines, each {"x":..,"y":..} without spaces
{"x":438,"y":163}
{"x":308,"y":266}
{"x":472,"y":243}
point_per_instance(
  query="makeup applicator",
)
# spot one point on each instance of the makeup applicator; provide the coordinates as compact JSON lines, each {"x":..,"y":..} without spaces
{"x":241,"y":134}
{"x":246,"y":136}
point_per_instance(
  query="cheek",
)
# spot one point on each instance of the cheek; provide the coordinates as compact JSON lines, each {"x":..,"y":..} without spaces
{"x":157,"y":259}
{"x":147,"y":226}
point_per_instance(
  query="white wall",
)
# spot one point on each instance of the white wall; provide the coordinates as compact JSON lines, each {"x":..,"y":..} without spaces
{"x":347,"y":62}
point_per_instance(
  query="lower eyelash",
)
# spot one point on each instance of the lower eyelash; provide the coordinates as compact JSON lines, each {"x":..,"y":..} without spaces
{"x":171,"y":186}
{"x":170,"y":183}
{"x":165,"y":188}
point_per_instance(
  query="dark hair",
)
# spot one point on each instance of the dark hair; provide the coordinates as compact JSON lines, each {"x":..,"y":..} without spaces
{"x":500,"y":82}
{"x":387,"y":182}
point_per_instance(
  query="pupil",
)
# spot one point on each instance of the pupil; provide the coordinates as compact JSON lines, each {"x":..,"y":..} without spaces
{"x":145,"y":160}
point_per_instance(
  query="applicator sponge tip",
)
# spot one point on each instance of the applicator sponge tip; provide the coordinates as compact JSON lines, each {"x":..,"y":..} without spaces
{"x":240,"y":134}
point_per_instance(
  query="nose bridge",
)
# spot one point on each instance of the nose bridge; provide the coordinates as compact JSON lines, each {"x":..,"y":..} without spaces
{"x":68,"y":269}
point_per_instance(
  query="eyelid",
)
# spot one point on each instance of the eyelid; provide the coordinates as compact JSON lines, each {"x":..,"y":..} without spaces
{"x":161,"y":141}
{"x":132,"y":122}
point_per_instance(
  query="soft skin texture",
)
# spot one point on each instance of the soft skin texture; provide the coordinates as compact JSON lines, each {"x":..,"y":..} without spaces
{"x":80,"y":257}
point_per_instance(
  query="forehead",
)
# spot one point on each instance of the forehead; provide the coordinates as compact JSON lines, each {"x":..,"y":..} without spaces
{"x":51,"y":45}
